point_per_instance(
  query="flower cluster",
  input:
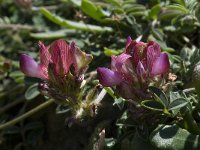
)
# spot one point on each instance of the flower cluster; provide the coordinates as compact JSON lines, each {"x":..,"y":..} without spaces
{"x":131,"y":72}
{"x":61,"y":68}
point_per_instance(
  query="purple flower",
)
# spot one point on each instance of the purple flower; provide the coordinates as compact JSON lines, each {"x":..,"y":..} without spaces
{"x":61,"y":68}
{"x":58,"y":58}
{"x":133,"y":70}
{"x":109,"y":77}
{"x":31,"y":68}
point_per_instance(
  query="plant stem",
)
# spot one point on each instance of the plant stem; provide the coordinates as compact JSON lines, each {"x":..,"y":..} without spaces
{"x":100,"y":97}
{"x":26,"y":115}
{"x":19,"y":27}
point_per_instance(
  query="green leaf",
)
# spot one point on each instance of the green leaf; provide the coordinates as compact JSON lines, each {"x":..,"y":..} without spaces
{"x":161,"y":97}
{"x":162,"y":44}
{"x":174,"y":95}
{"x":195,"y":58}
{"x":118,"y":10}
{"x":153,"y":105}
{"x":76,"y":2}
{"x":119,"y":102}
{"x":32,"y":92}
{"x":177,"y":7}
{"x":138,"y":13}
{"x":110,"y":92}
{"x":16,"y":74}
{"x":62,"y":109}
{"x":72,"y":24}
{"x":134,"y":8}
{"x":168,"y":14}
{"x":125,"y":121}
{"x":181,"y":2}
{"x":53,"y":34}
{"x":157,"y":34}
{"x":92,"y":10}
{"x":111,"y":52}
{"x":153,"y":13}
{"x":174,"y":138}
{"x":110,"y":142}
{"x":178,"y":103}
{"x":115,"y":3}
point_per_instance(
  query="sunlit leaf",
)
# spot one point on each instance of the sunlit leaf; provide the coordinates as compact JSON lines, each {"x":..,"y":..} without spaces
{"x":161,"y":96}
{"x":154,"y":11}
{"x":174,"y":138}
{"x":53,"y":34}
{"x":92,"y":10}
{"x":72,"y":24}
{"x":62,"y":109}
{"x":111,"y":52}
{"x":178,"y":103}
{"x":153,"y":105}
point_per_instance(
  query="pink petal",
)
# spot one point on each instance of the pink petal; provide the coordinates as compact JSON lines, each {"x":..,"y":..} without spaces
{"x":130,"y":46}
{"x":30,"y":67}
{"x":140,"y":69}
{"x":108,"y":77}
{"x":118,"y":61}
{"x":61,"y":56}
{"x":128,"y":41}
{"x":45,"y":56}
{"x":138,"y":53}
{"x":161,"y":65}
{"x":152,"y":53}
{"x":66,"y":57}
{"x":123,"y":65}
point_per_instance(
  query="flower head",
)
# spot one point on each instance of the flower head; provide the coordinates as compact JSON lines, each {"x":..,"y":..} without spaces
{"x":139,"y":65}
{"x":61,"y":65}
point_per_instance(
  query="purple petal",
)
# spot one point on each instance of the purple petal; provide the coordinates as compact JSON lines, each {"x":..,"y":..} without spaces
{"x":152,"y":53}
{"x":140,"y":69}
{"x":123,"y":65}
{"x":45,"y":56}
{"x":128,"y":41}
{"x":130,"y":46}
{"x":118,"y":61}
{"x":108,"y":77}
{"x":30,"y":67}
{"x":61,"y":56}
{"x":138,"y":53}
{"x":161,"y":65}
